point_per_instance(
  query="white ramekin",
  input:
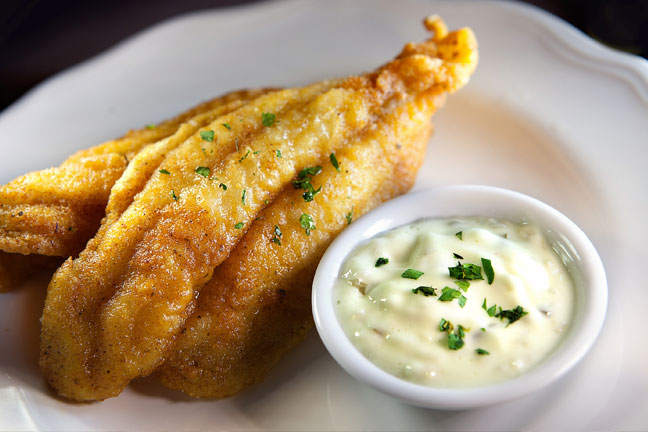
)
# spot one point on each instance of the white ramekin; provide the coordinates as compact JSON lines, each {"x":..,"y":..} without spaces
{"x":586,"y":269}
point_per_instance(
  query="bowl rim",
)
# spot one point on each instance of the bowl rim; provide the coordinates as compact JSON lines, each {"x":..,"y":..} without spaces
{"x":462,"y":200}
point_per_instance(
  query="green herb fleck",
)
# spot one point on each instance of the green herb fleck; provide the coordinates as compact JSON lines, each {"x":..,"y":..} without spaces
{"x":227,"y":126}
{"x":243,"y":196}
{"x":223,"y":186}
{"x":491,"y":311}
{"x":243,"y":158}
{"x":455,"y":341}
{"x":256,"y":152}
{"x":449,"y":294}
{"x":163,"y":171}
{"x":511,"y":315}
{"x":381,"y":261}
{"x":459,"y":235}
{"x":426,"y":291}
{"x":457,"y":256}
{"x":268,"y":119}
{"x":488,"y":269}
{"x":278,"y":154}
{"x":207,"y":135}
{"x":150,"y":126}
{"x":349,"y":216}
{"x":411,"y":274}
{"x":481,"y":351}
{"x":445,"y":326}
{"x":203,"y":171}
{"x":277,"y":235}
{"x":463,"y":284}
{"x":239,"y":225}
{"x":303,"y":181}
{"x":465,"y":271}
{"x":334,"y":162}
{"x":307,"y":223}
{"x":174,"y":196}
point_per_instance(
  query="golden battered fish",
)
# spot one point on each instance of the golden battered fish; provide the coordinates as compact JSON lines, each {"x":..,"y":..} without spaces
{"x":112,"y":314}
{"x":257,"y":305}
{"x":55,"y":211}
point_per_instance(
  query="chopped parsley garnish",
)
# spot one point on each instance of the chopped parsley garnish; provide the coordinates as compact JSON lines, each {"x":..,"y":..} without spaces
{"x":381,"y":261}
{"x":488,"y":270}
{"x":411,"y":274}
{"x":227,"y":126}
{"x":455,"y":340}
{"x":457,"y":256}
{"x":243,"y":158}
{"x":173,"y":194}
{"x":445,"y":326}
{"x":463,"y":284}
{"x":491,"y":311}
{"x":426,"y":291}
{"x":163,"y":171}
{"x":207,"y":135}
{"x":465,"y":271}
{"x":449,"y":294}
{"x":239,"y":225}
{"x":481,"y":351}
{"x":256,"y":152}
{"x":349,"y":216}
{"x":150,"y":126}
{"x":223,"y":185}
{"x":278,"y":154}
{"x":307,"y":223}
{"x":334,"y":162}
{"x":459,"y":235}
{"x":277,"y":235}
{"x":268,"y":119}
{"x":511,"y":315}
{"x":304,"y":182}
{"x":203,"y":171}
{"x":243,"y":196}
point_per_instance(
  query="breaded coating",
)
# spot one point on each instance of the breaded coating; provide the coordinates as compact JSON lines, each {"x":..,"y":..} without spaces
{"x":55,"y":211}
{"x":113,"y":313}
{"x":257,"y":305}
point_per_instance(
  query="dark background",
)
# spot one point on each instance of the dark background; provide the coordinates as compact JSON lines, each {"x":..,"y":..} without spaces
{"x":39,"y":38}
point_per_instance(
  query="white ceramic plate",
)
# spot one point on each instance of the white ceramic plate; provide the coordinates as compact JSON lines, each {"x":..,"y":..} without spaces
{"x":549,"y":113}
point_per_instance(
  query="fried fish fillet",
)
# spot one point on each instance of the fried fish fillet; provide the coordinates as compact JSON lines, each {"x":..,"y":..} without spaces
{"x":112,"y":314}
{"x":257,"y":305}
{"x":55,"y":211}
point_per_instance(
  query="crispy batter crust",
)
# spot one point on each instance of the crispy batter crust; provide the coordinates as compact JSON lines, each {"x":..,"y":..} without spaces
{"x":55,"y":211}
{"x":257,"y":304}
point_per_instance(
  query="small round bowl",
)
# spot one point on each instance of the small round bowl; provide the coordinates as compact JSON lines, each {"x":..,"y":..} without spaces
{"x":584,"y":266}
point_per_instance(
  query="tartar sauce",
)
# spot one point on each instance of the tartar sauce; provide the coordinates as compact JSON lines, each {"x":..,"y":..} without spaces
{"x":412,"y":301}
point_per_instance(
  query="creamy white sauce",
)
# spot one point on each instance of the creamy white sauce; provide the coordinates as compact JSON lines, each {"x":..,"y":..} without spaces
{"x":398,"y":330}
